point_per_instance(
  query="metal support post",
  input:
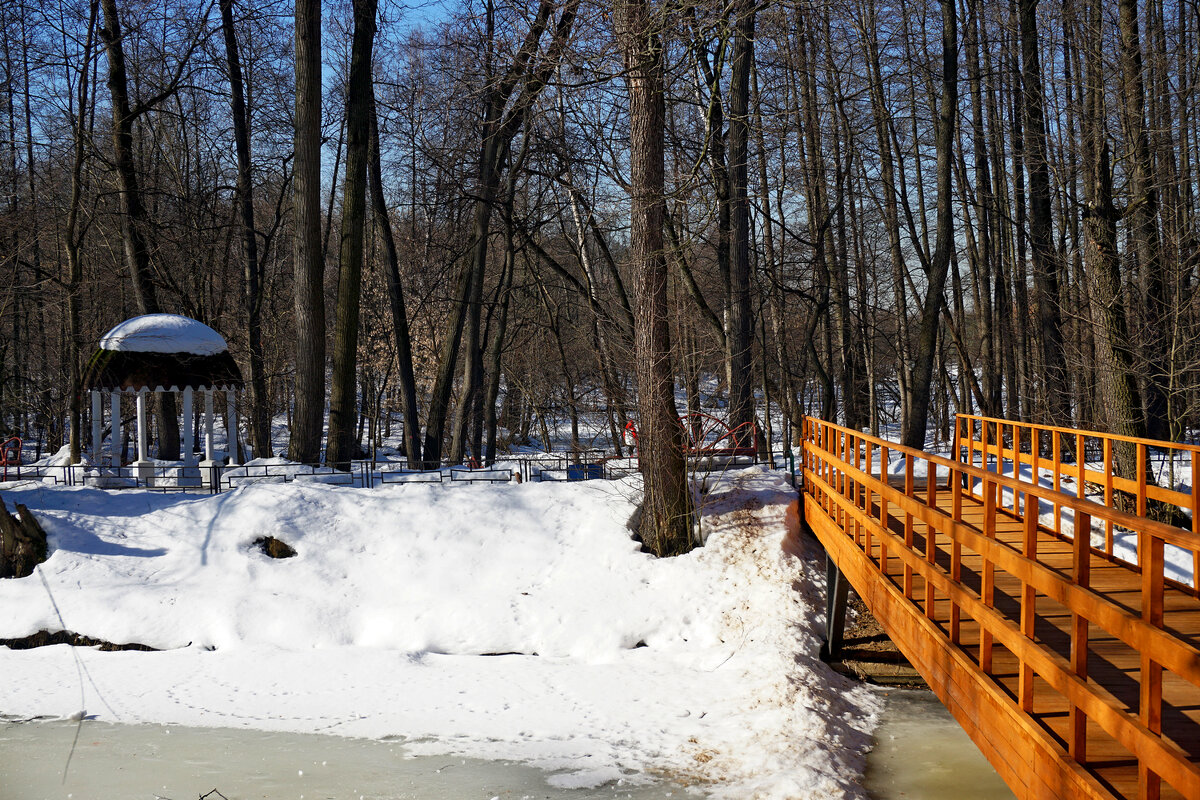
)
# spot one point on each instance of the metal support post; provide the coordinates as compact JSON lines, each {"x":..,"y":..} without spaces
{"x":837,"y":592}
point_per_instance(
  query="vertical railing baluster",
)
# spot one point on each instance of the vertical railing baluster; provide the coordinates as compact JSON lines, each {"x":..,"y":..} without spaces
{"x":884,"y":518}
{"x":1028,"y":606}
{"x":1142,"y":453}
{"x":1056,"y":442}
{"x":1150,"y":558}
{"x":908,"y":524}
{"x":868,"y":495}
{"x":930,"y":535}
{"x":1035,"y":453}
{"x":1016,"y":466}
{"x":823,"y":437}
{"x":955,"y":553}
{"x":858,"y":527}
{"x":1108,"y":494}
{"x":1195,"y":456}
{"x":1080,"y":463}
{"x":1082,"y":558}
{"x":988,"y":582}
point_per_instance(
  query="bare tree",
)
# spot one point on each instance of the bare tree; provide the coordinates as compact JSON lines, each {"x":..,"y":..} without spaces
{"x":343,"y":405}
{"x":917,"y":416}
{"x":741,"y":314}
{"x":309,"y":262}
{"x":506,"y":101}
{"x":1055,"y":382}
{"x":666,"y":509}
{"x":134,"y":219}
{"x":408,"y":384}
{"x":260,"y":409}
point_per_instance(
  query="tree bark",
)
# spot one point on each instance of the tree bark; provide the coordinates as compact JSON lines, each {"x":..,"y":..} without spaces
{"x":741,"y":314}
{"x":408,"y":383}
{"x":133,"y":212}
{"x":343,"y":404}
{"x":260,"y":407}
{"x":914,"y":425}
{"x":665,"y":525}
{"x":308,"y":262}
{"x":1054,"y":380}
{"x":1143,"y":213}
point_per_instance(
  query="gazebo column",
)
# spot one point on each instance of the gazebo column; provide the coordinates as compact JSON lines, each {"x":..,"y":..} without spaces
{"x":145,"y":470}
{"x":189,"y":444}
{"x":232,"y":421}
{"x":189,"y":475}
{"x":208,"y":467}
{"x":97,"y":424}
{"x":114,"y":444}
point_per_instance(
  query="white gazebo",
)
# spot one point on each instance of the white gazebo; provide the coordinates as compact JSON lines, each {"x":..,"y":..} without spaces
{"x":162,"y":353}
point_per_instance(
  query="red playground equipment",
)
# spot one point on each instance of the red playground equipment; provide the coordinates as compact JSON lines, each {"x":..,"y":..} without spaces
{"x":10,"y":455}
{"x":707,"y":437}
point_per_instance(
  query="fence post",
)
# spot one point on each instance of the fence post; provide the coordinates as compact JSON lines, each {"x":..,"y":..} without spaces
{"x":802,"y":487}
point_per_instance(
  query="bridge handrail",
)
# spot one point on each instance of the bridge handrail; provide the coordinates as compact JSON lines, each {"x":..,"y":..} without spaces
{"x":837,"y":483}
{"x":1188,"y":540}
{"x":1163,"y":443}
{"x":970,"y":426}
{"x":1142,"y":489}
{"x":1017,"y":564}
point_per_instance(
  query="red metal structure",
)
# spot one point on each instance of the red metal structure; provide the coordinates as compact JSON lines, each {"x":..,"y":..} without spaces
{"x":706,"y":436}
{"x":10,"y":455}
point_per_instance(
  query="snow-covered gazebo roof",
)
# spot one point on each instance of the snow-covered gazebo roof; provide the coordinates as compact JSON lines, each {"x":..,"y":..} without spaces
{"x":162,"y":352}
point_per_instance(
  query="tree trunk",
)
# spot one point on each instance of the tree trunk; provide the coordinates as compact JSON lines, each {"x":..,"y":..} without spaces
{"x":133,"y":212}
{"x":741,"y":315}
{"x":309,"y":264}
{"x":260,"y":404}
{"x":1054,"y":379}
{"x":343,"y":404}
{"x":72,"y":242}
{"x":408,"y":383}
{"x":1143,"y":213}
{"x":1121,"y":399}
{"x":914,"y":424}
{"x":665,"y":525}
{"x":496,"y":348}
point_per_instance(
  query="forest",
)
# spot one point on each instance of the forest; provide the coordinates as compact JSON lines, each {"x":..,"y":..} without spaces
{"x":466,"y":221}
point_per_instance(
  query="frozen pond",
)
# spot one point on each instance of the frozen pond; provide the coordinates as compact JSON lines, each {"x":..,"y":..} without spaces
{"x":920,"y":752}
{"x":152,"y":761}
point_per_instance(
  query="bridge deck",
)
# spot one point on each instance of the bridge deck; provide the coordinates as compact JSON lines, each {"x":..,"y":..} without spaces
{"x":1027,"y":638}
{"x":1111,"y":664}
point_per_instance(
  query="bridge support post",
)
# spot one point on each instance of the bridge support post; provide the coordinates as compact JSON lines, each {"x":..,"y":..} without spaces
{"x":837,"y":593}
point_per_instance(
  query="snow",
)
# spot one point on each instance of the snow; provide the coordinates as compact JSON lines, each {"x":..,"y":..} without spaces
{"x":509,"y":621}
{"x":164,"y":333}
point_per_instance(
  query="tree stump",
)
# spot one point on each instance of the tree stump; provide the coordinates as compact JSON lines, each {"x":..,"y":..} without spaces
{"x":22,"y":542}
{"x":275,"y":548}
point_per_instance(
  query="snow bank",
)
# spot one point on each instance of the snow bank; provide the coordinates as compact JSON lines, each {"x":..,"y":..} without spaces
{"x":164,"y":333}
{"x":510,"y":621}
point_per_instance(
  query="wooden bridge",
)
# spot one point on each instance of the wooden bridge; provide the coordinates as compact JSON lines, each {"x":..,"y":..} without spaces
{"x":1070,"y":660}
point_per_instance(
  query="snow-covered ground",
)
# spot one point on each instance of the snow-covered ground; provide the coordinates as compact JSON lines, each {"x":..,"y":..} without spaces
{"x":515,"y":621}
